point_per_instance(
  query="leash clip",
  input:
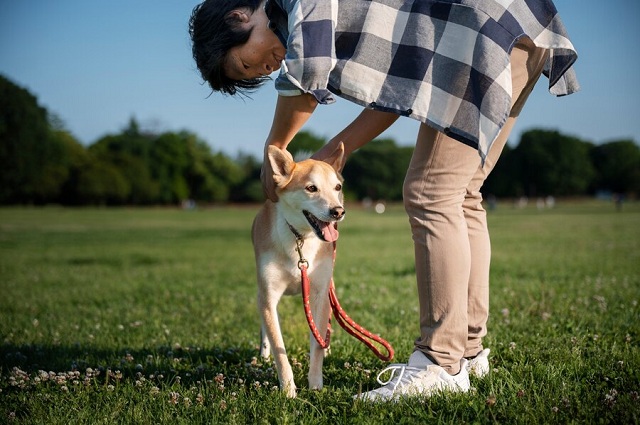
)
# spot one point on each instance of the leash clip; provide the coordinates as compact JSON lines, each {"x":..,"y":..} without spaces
{"x":302,"y":262}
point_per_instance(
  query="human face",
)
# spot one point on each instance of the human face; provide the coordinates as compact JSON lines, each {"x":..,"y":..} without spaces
{"x":260,"y":55}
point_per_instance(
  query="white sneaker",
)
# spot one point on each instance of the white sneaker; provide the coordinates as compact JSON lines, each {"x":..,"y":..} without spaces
{"x":479,"y":365}
{"x":419,"y":377}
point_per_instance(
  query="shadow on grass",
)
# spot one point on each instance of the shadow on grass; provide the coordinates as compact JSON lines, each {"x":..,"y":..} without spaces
{"x":167,"y":359}
{"x":171,"y":365}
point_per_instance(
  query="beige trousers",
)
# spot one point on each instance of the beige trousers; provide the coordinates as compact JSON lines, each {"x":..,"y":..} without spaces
{"x":452,"y":247}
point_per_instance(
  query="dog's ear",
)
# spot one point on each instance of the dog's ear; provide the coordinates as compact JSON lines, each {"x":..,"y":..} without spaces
{"x":282,"y":165}
{"x":336,"y":159}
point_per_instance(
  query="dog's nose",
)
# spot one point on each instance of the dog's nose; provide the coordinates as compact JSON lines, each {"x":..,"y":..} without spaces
{"x":337,"y":212}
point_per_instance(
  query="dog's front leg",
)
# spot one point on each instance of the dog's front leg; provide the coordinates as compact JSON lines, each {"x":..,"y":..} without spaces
{"x":271,"y":327}
{"x":265,"y":345}
{"x":320,"y":309}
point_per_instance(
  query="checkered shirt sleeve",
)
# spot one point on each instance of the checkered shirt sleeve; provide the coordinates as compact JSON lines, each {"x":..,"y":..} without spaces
{"x":311,"y":54}
{"x":445,"y":63}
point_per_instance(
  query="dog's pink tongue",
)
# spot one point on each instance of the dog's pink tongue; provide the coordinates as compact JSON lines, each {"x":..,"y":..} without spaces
{"x":329,"y":232}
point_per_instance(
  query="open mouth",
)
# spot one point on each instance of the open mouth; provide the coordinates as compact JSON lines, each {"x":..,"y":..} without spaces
{"x":323,"y":229}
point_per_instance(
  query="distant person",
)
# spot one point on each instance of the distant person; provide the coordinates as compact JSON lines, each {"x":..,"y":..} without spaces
{"x":464,"y":69}
{"x":618,"y":199}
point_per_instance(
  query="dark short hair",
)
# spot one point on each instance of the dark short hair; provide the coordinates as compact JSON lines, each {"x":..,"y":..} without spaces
{"x":213,"y":32}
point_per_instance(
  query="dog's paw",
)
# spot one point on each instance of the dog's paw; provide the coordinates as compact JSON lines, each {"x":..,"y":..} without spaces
{"x":290,"y":392}
{"x":265,"y":355}
{"x":315,"y":383}
{"x":316,"y":388}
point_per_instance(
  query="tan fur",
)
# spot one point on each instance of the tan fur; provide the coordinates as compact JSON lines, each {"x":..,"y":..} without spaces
{"x":277,"y":259}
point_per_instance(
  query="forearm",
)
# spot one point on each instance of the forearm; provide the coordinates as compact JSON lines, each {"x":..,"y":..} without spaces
{"x":291,"y":113}
{"x":366,"y":127}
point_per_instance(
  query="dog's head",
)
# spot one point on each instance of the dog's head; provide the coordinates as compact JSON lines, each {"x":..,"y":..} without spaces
{"x":309,"y":192}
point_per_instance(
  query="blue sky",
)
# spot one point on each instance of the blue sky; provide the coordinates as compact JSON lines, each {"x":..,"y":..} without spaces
{"x":97,"y":63}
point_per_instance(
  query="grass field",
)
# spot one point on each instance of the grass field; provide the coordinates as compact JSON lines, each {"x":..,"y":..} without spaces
{"x":116,"y":316}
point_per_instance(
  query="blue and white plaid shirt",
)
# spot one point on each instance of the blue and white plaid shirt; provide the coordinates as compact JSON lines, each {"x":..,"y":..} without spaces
{"x":445,"y":63}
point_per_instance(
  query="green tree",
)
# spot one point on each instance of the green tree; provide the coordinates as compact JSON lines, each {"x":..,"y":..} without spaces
{"x":77,"y":158}
{"x":206,"y":183}
{"x":550,"y":163}
{"x":169,"y":161}
{"x":617,"y":165}
{"x":377,"y":170}
{"x":168,"y":168}
{"x":56,"y":172}
{"x":250,"y":187}
{"x":101,"y":183}
{"x":128,"y":152}
{"x":129,"y":141}
{"x":305,"y":144}
{"x":227,"y":172}
{"x":28,"y":155}
{"x":502,"y":181}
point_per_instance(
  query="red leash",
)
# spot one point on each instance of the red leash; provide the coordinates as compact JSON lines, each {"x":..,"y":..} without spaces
{"x":341,"y":316}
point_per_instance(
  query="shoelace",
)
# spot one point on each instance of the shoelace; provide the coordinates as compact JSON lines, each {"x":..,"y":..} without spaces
{"x":393,"y":369}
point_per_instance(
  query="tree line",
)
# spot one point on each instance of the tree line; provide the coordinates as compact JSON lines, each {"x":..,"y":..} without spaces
{"x":41,"y":162}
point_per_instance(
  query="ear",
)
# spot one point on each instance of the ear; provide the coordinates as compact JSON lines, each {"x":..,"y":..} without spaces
{"x":237,"y":16}
{"x":282,"y":165}
{"x":336,"y":159}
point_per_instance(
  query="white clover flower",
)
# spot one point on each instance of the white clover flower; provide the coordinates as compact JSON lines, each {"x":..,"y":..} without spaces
{"x":174,"y":397}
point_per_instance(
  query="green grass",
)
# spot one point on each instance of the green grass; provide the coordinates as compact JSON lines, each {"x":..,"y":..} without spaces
{"x":148,"y":316}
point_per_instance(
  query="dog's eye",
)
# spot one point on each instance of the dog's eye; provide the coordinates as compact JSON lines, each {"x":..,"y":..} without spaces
{"x":312,"y":188}
{"x":338,"y":187}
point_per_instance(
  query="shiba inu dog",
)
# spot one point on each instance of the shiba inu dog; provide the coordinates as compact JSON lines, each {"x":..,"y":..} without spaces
{"x":310,"y":202}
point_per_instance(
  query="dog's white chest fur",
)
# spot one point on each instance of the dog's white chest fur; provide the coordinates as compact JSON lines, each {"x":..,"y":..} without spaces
{"x":280,"y":265}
